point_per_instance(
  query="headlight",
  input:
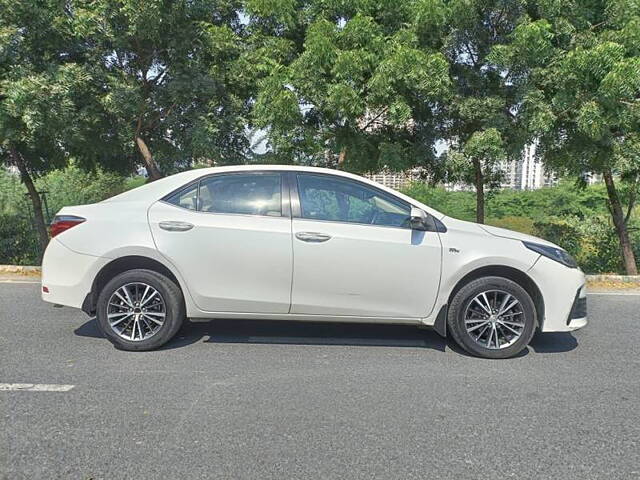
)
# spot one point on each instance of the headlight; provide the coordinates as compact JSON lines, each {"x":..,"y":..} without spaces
{"x":553,"y":253}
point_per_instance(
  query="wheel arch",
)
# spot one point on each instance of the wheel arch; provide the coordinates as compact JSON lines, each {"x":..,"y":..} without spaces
{"x":118,"y":266}
{"x":511,"y":273}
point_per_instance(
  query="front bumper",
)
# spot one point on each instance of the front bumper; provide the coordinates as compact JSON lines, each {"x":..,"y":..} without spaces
{"x":578,"y":315}
{"x":564,"y":295}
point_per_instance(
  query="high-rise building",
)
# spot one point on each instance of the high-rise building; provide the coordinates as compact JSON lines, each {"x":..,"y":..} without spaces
{"x":395,"y":180}
{"x":527,"y":173}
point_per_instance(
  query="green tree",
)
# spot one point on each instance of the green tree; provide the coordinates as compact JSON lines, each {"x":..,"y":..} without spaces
{"x":45,"y":104}
{"x":583,"y":67}
{"x":170,"y":86}
{"x":480,"y":122}
{"x":356,"y":90}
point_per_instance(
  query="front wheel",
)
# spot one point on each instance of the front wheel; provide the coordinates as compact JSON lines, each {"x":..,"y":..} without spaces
{"x":492,"y":317}
{"x":140,"y":310}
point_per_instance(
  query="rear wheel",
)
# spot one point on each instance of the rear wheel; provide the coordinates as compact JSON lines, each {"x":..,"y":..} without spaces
{"x":140,"y":310}
{"x":492,"y":317}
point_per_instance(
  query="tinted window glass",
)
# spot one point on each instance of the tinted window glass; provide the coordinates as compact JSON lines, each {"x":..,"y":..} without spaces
{"x":252,"y":194}
{"x":326,"y":198}
{"x":186,"y":198}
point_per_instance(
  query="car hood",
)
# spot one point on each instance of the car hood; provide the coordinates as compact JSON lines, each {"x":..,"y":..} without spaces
{"x":503,"y":232}
{"x":496,"y":231}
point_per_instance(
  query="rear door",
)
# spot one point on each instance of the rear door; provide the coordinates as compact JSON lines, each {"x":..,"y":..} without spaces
{"x":229,"y":235}
{"x":354,"y":253}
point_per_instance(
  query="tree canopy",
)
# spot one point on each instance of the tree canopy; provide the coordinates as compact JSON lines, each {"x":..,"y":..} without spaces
{"x":168,"y":77}
{"x":358,"y":92}
{"x":48,"y":100}
{"x":583,"y":98}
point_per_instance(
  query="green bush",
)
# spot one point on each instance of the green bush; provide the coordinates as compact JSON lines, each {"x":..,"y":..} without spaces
{"x":455,"y":204}
{"x":71,"y":186}
{"x":561,"y":231}
{"x":12,"y":193}
{"x":518,"y":224}
{"x":592,"y":241}
{"x":574,"y":218}
{"x":18,"y":241}
{"x":565,"y":200}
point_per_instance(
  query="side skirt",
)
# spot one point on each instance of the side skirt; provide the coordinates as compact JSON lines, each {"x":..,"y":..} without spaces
{"x":306,"y":318}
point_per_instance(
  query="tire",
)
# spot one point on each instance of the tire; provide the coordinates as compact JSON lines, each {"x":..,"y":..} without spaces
{"x":471,"y":310}
{"x":157,"y":319}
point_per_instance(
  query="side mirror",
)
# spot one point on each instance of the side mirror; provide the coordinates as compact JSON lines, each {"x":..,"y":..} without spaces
{"x":419,"y":220}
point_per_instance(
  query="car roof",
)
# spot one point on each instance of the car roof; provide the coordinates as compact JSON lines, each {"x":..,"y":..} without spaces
{"x":156,"y":190}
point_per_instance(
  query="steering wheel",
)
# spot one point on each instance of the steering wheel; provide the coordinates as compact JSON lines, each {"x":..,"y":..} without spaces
{"x":374,"y":217}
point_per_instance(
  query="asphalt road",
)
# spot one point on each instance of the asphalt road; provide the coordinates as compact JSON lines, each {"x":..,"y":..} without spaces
{"x":277,"y":400}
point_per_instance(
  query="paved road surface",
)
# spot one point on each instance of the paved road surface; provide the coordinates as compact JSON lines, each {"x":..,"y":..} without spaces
{"x":277,"y":400}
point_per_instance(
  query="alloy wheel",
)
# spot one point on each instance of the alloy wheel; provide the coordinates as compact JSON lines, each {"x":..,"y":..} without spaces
{"x":494,"y":319}
{"x":136,"y":311}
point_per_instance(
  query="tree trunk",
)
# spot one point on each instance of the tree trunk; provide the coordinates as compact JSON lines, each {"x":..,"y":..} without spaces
{"x":479,"y":184}
{"x":150,"y":163}
{"x":38,"y":215}
{"x":341,"y":158}
{"x":628,"y":257}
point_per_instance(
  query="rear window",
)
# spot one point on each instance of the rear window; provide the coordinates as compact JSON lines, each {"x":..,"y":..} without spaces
{"x":245,"y":194}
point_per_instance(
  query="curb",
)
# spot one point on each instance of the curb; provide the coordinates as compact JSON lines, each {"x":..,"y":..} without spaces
{"x":614,"y":278}
{"x":20,"y":269}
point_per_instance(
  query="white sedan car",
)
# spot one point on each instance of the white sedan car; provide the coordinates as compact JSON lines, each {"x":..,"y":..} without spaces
{"x":305,"y":244}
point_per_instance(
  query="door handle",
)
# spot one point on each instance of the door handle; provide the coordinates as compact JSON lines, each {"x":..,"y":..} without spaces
{"x":313,"y":237}
{"x":172,"y":226}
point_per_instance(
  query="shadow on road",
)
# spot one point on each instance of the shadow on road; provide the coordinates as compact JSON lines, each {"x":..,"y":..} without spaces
{"x":316,"y":333}
{"x":557,"y":342}
{"x":89,"y":329}
{"x":306,"y":333}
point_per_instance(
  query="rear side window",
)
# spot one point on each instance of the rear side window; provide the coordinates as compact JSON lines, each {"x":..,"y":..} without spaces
{"x":246,"y":194}
{"x":185,"y":198}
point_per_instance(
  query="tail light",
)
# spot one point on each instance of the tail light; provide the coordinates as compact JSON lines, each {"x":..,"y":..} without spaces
{"x":61,"y":223}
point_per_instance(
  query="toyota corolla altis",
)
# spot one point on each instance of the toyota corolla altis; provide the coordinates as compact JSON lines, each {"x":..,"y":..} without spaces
{"x":304,"y":244}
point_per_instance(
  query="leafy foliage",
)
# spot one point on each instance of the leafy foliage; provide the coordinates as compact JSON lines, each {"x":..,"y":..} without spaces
{"x":71,"y":186}
{"x":583,"y":75}
{"x":358,"y":92}
{"x":18,"y":244}
{"x":169,"y":87}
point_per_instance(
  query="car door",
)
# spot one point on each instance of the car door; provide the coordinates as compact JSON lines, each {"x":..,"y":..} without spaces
{"x":355,"y":254}
{"x":229,"y":235}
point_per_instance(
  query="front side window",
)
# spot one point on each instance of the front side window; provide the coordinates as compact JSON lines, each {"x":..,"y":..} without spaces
{"x":247,"y":194}
{"x":342,"y":200}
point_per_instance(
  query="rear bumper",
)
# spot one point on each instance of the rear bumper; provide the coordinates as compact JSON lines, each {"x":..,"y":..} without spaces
{"x":564,"y":294}
{"x":68,"y":275}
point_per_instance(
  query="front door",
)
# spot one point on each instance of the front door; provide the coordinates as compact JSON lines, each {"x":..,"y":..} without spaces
{"x":354,"y":253}
{"x":231,"y":240}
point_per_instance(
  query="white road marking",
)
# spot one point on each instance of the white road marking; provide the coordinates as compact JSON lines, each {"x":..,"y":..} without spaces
{"x":34,"y":387}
